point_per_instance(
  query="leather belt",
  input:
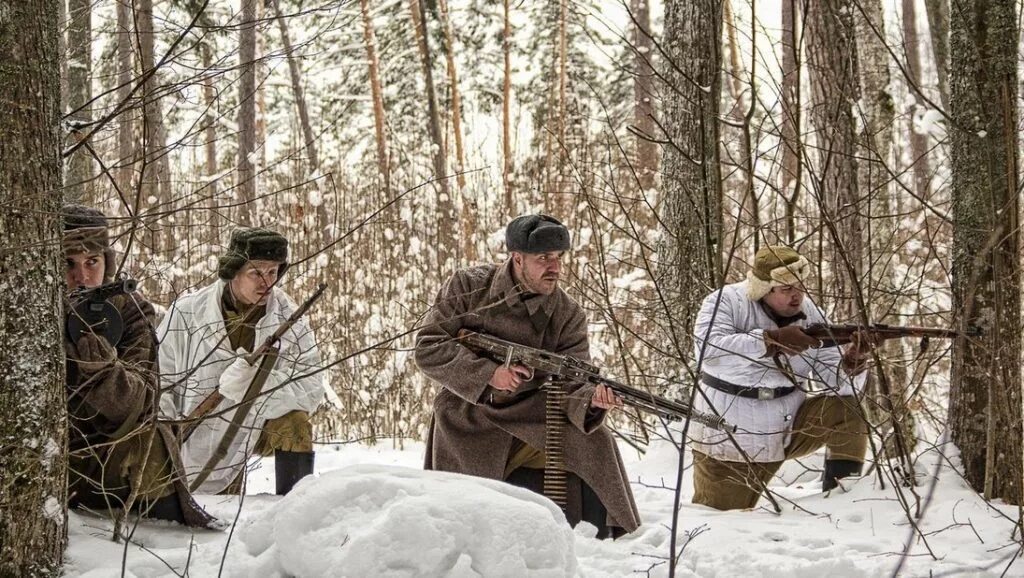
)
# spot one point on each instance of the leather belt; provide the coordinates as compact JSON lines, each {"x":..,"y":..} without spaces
{"x":763,"y":393}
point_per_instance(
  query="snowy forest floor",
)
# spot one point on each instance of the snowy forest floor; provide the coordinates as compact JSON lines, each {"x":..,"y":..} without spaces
{"x":370,"y":494}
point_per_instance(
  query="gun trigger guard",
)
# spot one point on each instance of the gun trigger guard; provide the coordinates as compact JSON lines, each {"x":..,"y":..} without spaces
{"x":532,"y":372}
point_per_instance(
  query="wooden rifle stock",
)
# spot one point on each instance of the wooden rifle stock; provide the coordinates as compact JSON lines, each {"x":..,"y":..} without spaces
{"x":832,"y":335}
{"x":578,"y":371}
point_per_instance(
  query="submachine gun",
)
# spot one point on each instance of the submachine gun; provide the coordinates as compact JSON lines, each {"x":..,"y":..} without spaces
{"x":576,"y":371}
{"x":90,"y":310}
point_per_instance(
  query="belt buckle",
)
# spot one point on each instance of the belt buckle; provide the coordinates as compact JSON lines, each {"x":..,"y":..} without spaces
{"x":765,"y":393}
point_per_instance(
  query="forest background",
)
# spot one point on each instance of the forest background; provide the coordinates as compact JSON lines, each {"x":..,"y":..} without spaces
{"x":391,"y":141}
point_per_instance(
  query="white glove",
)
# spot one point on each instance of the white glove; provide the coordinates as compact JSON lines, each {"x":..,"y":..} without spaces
{"x":235,"y":380}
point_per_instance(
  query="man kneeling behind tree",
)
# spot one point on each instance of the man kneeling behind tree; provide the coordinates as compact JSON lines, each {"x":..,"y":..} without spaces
{"x":204,"y":339}
{"x":115,"y":445}
{"x":756,"y":364}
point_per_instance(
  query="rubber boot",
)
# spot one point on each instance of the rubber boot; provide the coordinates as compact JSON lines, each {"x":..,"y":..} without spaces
{"x":165,"y":508}
{"x":290,"y":467}
{"x":837,"y":470}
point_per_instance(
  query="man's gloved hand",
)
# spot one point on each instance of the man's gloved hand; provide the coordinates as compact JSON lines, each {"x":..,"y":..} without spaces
{"x":855,"y":358}
{"x":92,"y":354}
{"x":235,"y":380}
{"x":790,"y":340}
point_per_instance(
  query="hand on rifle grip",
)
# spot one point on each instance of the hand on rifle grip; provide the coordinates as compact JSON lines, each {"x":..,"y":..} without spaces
{"x":508,"y":378}
{"x":605,"y":398}
{"x":856,"y":355}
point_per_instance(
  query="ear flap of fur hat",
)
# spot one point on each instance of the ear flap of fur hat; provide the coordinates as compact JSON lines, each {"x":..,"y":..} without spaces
{"x":775,"y":266}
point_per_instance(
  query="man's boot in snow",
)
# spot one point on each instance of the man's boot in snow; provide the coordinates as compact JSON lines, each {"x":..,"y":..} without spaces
{"x":837,"y":470}
{"x":290,"y":467}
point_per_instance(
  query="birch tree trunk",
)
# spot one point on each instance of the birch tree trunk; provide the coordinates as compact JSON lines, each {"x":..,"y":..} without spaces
{"x":246,"y":172}
{"x":370,"y":42}
{"x":985,"y":393}
{"x":33,"y":415}
{"x":80,"y":166}
{"x":832,"y":59}
{"x":689,"y":257}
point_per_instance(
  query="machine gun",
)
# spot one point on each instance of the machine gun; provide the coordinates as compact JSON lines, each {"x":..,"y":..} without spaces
{"x":91,"y":311}
{"x":577,"y":371}
{"x":832,"y":335}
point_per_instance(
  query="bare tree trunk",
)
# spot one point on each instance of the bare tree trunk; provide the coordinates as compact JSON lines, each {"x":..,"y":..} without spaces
{"x":886,"y":397}
{"x":741,"y":117}
{"x":446,"y":209}
{"x":469,"y":205}
{"x":369,"y":39}
{"x":557,"y":189}
{"x":643,"y":93}
{"x":792,"y":150}
{"x":295,"y":75}
{"x":125,"y":142}
{"x":832,"y":58}
{"x":246,"y":177}
{"x":918,"y":142}
{"x":691,"y":209}
{"x":985,"y":396}
{"x":209,"y":122}
{"x":506,"y":113}
{"x":155,"y":175}
{"x":33,"y":415}
{"x":80,"y":167}
{"x":938,"y":26}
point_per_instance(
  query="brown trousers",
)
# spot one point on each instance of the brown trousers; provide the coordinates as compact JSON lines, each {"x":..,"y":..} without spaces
{"x":833,"y":422}
{"x":292,"y":432}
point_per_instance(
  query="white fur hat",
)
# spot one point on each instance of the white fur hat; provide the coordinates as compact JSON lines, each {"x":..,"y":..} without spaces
{"x":775,"y":266}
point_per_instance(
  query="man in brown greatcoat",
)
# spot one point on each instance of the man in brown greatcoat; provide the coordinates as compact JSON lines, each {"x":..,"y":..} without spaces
{"x":115,"y":445}
{"x":489,"y":419}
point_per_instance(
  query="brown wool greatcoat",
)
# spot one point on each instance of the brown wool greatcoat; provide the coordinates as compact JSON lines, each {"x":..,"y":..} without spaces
{"x":112,"y":439}
{"x":470,"y":433}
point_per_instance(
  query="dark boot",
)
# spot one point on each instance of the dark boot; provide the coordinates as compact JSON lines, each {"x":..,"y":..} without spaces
{"x":837,"y":470}
{"x":290,"y":467}
{"x":165,"y":508}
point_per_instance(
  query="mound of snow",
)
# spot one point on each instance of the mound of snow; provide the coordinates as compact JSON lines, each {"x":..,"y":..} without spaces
{"x":375,"y":520}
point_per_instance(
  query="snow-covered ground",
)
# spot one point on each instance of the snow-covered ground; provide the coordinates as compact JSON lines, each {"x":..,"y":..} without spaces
{"x":371,"y":511}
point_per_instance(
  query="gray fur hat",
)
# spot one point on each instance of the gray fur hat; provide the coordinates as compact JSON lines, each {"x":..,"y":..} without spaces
{"x":536,"y":234}
{"x":253,"y":244}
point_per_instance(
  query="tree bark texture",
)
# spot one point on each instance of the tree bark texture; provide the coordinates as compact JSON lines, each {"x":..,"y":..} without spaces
{"x":689,"y":257}
{"x":832,"y":64}
{"x":246,"y":172}
{"x":445,"y":206}
{"x":938,"y":26}
{"x":33,"y":420}
{"x":469,"y":204}
{"x":791,"y":174}
{"x":370,"y":42}
{"x":80,"y":165}
{"x":643,"y":94}
{"x":125,"y":142}
{"x":506,"y":111}
{"x":985,"y":392}
{"x":156,"y":172}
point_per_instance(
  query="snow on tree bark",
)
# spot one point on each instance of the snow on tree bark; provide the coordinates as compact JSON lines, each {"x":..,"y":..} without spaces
{"x":985,"y":392}
{"x":33,"y":426}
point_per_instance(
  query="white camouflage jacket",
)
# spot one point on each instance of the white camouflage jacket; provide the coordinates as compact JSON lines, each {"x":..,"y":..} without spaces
{"x":729,"y":345}
{"x":195,"y":351}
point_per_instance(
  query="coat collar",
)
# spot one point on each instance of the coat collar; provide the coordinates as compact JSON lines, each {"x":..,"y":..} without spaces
{"x":504,"y":288}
